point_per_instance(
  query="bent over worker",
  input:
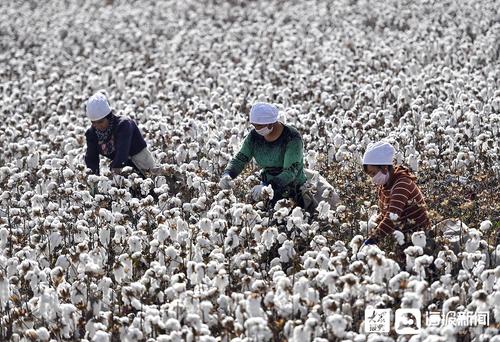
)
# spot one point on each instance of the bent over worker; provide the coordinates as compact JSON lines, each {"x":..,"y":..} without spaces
{"x":278,"y":150}
{"x":115,"y":137}
{"x":401,"y":203}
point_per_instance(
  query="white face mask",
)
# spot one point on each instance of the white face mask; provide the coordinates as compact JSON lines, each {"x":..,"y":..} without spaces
{"x":264,"y":131}
{"x":380,"y":178}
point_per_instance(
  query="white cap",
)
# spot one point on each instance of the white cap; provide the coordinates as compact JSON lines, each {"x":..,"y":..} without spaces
{"x":98,"y":107}
{"x":263,"y":113}
{"x":379,"y":153}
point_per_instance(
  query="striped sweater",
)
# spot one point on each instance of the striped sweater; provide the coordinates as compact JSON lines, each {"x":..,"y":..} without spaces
{"x":401,"y":204}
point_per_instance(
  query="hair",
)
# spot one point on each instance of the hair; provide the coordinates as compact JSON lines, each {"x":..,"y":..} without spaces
{"x":389,"y":167}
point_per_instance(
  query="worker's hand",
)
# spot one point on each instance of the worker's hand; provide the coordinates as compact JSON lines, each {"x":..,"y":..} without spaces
{"x":119,"y":180}
{"x":257,"y":192}
{"x":226,"y":182}
{"x":370,"y":241}
{"x":116,"y":171}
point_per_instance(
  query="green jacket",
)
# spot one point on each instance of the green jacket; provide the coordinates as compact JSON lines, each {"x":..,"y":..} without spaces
{"x":282,"y":160}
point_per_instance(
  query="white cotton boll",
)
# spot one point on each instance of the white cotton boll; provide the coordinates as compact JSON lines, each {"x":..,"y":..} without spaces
{"x":496,"y":256}
{"x":440,"y":263}
{"x":494,"y":302}
{"x":323,"y":209}
{"x":421,"y":263}
{"x":397,"y":281}
{"x":253,"y":306}
{"x":104,"y":236}
{"x":172,"y":325}
{"x":257,"y":329}
{"x":4,"y":236}
{"x":301,"y":334}
{"x":120,"y":233}
{"x":33,"y":160}
{"x":472,"y":244}
{"x":162,"y":233}
{"x":286,"y":251}
{"x":68,"y":173}
{"x":133,"y":334}
{"x":267,"y":192}
{"x":282,"y":238}
{"x":4,"y":291}
{"x":101,"y":336}
{"x":341,"y":209}
{"x":363,"y":227}
{"x":412,"y":252}
{"x":393,"y":217}
{"x":411,"y":300}
{"x":413,"y":162}
{"x":418,"y":239}
{"x":338,"y":324}
{"x":269,"y":237}
{"x":356,"y":243}
{"x":232,"y":240}
{"x":399,"y":236}
{"x":134,"y":243}
{"x":205,"y":225}
{"x":43,"y":334}
{"x":338,"y":140}
{"x":67,"y":319}
{"x":205,"y":308}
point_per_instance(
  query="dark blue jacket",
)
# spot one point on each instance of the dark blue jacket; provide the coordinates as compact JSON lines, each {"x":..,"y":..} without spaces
{"x":128,"y":141}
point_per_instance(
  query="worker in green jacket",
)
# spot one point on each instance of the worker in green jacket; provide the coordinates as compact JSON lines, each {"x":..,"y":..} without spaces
{"x":278,"y":150}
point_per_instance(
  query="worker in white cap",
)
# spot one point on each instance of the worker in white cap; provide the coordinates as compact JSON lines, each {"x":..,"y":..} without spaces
{"x":278,"y":150}
{"x":401,"y":203}
{"x":115,"y":137}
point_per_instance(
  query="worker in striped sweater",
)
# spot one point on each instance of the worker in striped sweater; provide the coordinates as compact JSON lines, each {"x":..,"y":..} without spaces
{"x":401,"y":203}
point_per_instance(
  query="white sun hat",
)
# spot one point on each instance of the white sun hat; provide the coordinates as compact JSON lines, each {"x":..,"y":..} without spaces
{"x":98,"y":107}
{"x":263,"y":113}
{"x":379,"y":153}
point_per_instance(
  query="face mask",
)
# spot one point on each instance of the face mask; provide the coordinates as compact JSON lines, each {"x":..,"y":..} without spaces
{"x":264,"y":131}
{"x":380,"y":178}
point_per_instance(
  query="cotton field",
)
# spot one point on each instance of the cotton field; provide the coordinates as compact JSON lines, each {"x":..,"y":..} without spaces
{"x":175,"y":258}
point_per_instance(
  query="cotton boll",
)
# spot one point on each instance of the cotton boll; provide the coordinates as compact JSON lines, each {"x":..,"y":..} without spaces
{"x":400,"y":237}
{"x":472,"y":244}
{"x":4,"y":291}
{"x":4,"y":235}
{"x":134,"y":243}
{"x":323,"y":209}
{"x":338,"y":324}
{"x":413,"y":162}
{"x":257,"y":328}
{"x":412,"y":252}
{"x":418,"y":239}
{"x":269,"y":237}
{"x":338,"y":140}
{"x":43,"y":334}
{"x":356,"y":243}
{"x":421,"y":263}
{"x":300,"y":333}
{"x":101,"y":336}
{"x":253,"y":306}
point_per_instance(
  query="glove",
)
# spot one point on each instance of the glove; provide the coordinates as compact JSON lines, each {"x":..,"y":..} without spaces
{"x":116,"y":171}
{"x":257,"y":192}
{"x":226,"y":182}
